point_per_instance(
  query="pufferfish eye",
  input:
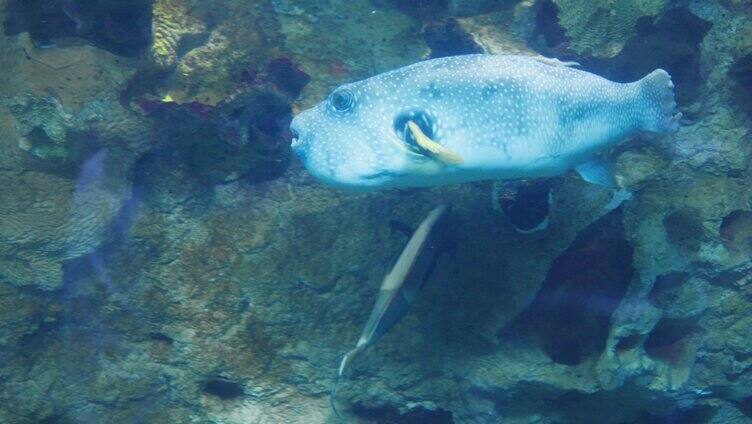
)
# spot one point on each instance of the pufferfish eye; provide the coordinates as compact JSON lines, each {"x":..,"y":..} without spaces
{"x":342,"y":100}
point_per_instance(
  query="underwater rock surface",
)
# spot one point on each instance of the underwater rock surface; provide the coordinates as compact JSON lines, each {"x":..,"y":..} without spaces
{"x":162,"y":258}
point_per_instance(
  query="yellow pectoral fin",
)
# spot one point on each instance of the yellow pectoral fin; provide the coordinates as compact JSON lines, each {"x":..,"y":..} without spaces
{"x":433,"y":148}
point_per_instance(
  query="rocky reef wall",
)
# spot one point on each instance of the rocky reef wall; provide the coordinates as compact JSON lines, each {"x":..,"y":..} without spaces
{"x":163,"y":259}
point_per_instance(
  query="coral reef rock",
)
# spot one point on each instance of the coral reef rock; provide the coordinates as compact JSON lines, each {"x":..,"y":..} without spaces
{"x":173,"y":28}
{"x":601,"y":28}
{"x":163,"y":259}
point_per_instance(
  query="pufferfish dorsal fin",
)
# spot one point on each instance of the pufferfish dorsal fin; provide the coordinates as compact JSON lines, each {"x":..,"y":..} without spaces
{"x":433,"y":148}
{"x":552,"y":61}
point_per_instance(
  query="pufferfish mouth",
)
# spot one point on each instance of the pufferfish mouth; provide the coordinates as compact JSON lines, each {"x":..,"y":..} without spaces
{"x":294,"y":137}
{"x":298,"y":142}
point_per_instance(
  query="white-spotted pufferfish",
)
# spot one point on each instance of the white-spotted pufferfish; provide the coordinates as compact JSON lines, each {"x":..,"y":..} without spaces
{"x":476,"y":117}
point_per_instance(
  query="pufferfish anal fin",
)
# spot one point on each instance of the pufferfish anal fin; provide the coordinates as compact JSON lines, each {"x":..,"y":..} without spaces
{"x":597,"y":172}
{"x":433,"y":148}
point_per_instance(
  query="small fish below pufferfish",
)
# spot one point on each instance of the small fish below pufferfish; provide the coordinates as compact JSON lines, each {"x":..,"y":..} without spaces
{"x":476,"y":117}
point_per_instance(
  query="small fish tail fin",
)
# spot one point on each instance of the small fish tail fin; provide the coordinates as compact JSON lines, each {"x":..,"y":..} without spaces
{"x":346,"y":360}
{"x":658,"y":104}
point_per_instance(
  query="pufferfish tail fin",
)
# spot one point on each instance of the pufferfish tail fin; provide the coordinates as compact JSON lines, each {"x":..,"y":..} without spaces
{"x":658,"y":104}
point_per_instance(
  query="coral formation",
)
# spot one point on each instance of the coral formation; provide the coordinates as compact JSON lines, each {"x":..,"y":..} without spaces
{"x":60,"y":110}
{"x":172,"y":28}
{"x":600,"y":28}
{"x":42,"y":124}
{"x":208,"y":60}
{"x":48,"y":220}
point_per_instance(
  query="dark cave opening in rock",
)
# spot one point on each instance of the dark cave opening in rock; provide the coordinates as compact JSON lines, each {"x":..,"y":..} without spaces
{"x":269,"y":113}
{"x":628,"y":343}
{"x":391,"y":415}
{"x":624,"y":405}
{"x":736,"y":231}
{"x":35,"y":341}
{"x":222,"y":388}
{"x":684,"y":229}
{"x":448,"y":38}
{"x":672,"y":43}
{"x":570,"y":315}
{"x":56,"y":419}
{"x":666,"y":288}
{"x":287,"y":76}
{"x":547,"y":28}
{"x":741,"y":73}
{"x":122,"y":27}
{"x":666,"y":282}
{"x":699,"y":414}
{"x":42,"y":19}
{"x":161,"y":337}
{"x":527,"y":203}
{"x":668,"y":339}
{"x":745,"y":406}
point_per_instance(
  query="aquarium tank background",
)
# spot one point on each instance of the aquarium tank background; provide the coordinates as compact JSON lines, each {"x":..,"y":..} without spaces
{"x":166,"y":258}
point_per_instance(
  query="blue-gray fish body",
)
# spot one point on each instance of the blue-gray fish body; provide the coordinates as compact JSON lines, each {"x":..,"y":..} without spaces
{"x":503,"y":116}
